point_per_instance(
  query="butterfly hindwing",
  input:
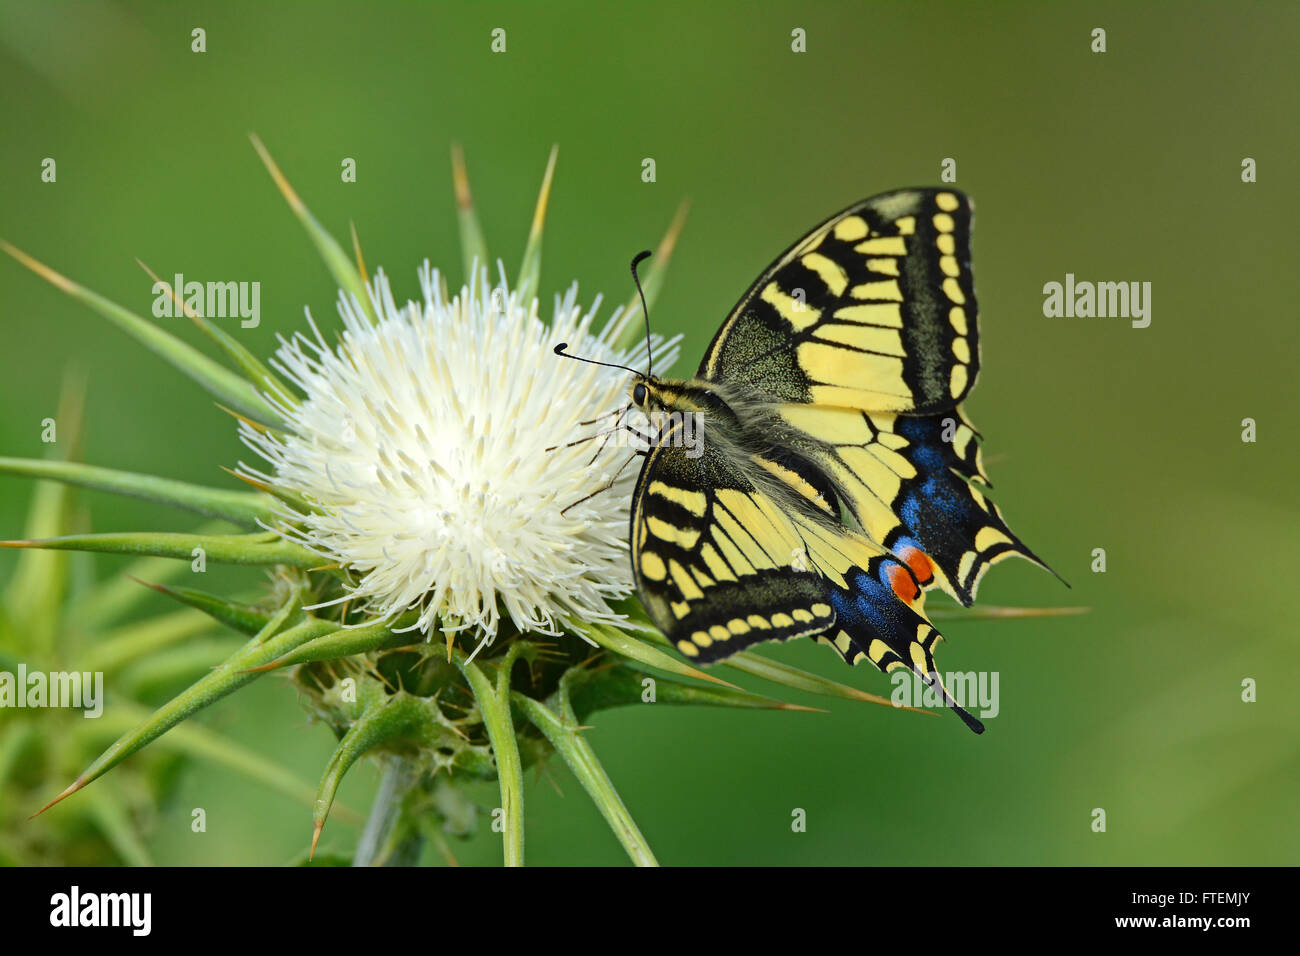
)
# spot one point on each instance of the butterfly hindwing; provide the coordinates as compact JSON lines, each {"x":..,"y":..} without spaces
{"x":915,"y":484}
{"x":723,"y":560}
{"x":873,"y":309}
{"x":712,"y":564}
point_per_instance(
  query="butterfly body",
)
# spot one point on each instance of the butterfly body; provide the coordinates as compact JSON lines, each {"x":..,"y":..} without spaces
{"x":834,"y":477}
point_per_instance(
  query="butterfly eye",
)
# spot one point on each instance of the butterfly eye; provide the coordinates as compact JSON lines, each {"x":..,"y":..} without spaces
{"x":638,"y":394}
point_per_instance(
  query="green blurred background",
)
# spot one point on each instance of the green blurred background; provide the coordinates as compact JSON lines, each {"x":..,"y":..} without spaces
{"x":1119,"y":166}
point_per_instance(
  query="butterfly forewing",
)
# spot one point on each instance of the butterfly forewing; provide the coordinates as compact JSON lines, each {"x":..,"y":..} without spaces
{"x":873,"y":309}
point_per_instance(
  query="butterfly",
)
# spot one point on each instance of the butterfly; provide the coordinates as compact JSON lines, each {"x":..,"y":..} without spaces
{"x":818,"y":475}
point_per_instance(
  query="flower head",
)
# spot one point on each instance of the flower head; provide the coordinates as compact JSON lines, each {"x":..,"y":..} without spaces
{"x":454,"y":464}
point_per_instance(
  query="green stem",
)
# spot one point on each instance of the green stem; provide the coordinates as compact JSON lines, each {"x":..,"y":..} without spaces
{"x":385,"y":841}
{"x":577,"y":753}
{"x":495,"y":709}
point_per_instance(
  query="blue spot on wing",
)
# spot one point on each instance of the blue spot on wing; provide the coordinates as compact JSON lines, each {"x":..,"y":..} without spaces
{"x":870,"y":609}
{"x":936,"y":507}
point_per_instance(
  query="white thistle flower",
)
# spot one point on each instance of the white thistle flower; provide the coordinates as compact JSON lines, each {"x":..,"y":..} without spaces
{"x":426,"y":449}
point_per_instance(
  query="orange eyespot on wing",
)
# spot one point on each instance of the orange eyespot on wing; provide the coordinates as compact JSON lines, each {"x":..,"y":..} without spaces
{"x":903,"y":584}
{"x":920,"y":564}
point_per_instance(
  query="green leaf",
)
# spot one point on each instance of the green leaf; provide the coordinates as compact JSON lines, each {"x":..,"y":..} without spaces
{"x":245,"y":618}
{"x":217,"y":379}
{"x":347,"y":641}
{"x":40,"y":582}
{"x":530,"y":271}
{"x":384,"y":719}
{"x":473,"y":247}
{"x":229,"y":677}
{"x":565,"y":736}
{"x":266,"y":548}
{"x":603,"y":688}
{"x":134,"y":641}
{"x":200,"y":742}
{"x":115,"y":597}
{"x":994,"y":612}
{"x":256,"y":373}
{"x":625,"y":645}
{"x":336,"y":260}
{"x":240,"y":507}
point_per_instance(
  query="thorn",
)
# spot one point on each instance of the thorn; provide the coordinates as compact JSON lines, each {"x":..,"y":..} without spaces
{"x":460,"y":178}
{"x":281,"y":183}
{"x":262,"y":669}
{"x":915,"y":710}
{"x":783,"y":705}
{"x":356,"y":249}
{"x":316,"y":828}
{"x":695,"y":672}
{"x":40,"y":268}
{"x":73,"y":788}
{"x":543,"y":197}
{"x":669,"y":241}
{"x":259,"y":485}
{"x":153,"y":586}
{"x":194,"y":316}
{"x":446,"y":853}
{"x":995,"y":611}
{"x":247,"y":421}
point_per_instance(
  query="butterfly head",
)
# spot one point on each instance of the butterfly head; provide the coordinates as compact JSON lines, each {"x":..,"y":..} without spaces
{"x":650,"y":394}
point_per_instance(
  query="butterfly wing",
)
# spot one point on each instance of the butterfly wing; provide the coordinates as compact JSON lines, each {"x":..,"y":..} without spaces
{"x":914,"y":484}
{"x":861,"y":341}
{"x":874,"y":309}
{"x":724,"y":560}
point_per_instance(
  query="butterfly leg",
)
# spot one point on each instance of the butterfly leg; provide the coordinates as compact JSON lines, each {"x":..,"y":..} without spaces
{"x":646,"y":439}
{"x":617,"y":413}
{"x":605,"y":487}
{"x":605,"y":433}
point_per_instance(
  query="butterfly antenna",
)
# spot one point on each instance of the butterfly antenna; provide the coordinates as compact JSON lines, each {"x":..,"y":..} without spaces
{"x":636,"y":260}
{"x":559,"y":350}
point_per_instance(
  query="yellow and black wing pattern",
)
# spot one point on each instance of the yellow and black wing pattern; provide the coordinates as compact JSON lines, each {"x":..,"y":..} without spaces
{"x":722,"y":563}
{"x":863,"y":337}
{"x":915,"y":484}
{"x":873,"y":309}
{"x":844,"y":478}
